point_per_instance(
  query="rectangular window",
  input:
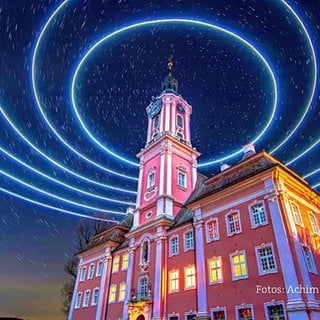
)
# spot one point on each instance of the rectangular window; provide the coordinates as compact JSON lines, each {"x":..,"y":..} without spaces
{"x":244,"y":313}
{"x":219,"y":314}
{"x":83,"y":274}
{"x":212,"y":230}
{"x":191,"y":316}
{"x":113,"y":292}
{"x":95,"y":297}
{"x":314,"y":223}
{"x":174,"y":281}
{"x":86,"y":298}
{"x":143,"y":288}
{"x":182,"y":181}
{"x":91,"y":271}
{"x":258,"y":215}
{"x":275,"y":312}
{"x":122,"y":291}
{"x":125,"y":261}
{"x":99,"y":269}
{"x":266,"y":259}
{"x":78,"y":300}
{"x":189,"y":277}
{"x":215,"y":270}
{"x":238,"y":265}
{"x":188,"y":241}
{"x":233,"y":223}
{"x":173,"y":318}
{"x":309,"y":259}
{"x":174,"y":249}
{"x":151,"y":179}
{"x":296,"y":213}
{"x":115,"y":264}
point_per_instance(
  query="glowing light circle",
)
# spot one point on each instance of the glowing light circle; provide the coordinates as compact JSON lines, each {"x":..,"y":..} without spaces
{"x":166,"y":21}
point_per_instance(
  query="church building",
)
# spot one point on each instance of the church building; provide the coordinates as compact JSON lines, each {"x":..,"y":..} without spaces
{"x":242,"y":244}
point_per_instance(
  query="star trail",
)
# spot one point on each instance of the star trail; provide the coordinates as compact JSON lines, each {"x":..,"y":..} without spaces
{"x":77,"y":77}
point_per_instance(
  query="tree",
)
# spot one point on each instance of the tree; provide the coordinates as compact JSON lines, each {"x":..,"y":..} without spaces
{"x":84,"y":233}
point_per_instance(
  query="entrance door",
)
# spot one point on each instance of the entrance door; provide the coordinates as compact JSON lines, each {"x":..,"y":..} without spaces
{"x":140,"y":317}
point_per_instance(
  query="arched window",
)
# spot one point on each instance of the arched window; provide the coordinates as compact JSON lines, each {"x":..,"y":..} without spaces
{"x":151,"y":178}
{"x":145,"y":252}
{"x":156,"y":122}
{"x":179,"y":121}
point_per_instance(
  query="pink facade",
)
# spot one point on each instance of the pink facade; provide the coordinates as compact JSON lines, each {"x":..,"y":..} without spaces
{"x":242,"y":244}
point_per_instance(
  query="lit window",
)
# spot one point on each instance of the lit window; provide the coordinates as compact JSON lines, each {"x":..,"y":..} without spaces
{"x":78,"y":300}
{"x":113,"y":292}
{"x":115,"y":264}
{"x":151,"y":178}
{"x":275,"y":312}
{"x":86,"y":298}
{"x":174,"y":248}
{"x":314,"y":223}
{"x":215,"y":270}
{"x":212,"y":230}
{"x":244,"y":313}
{"x":95,"y":297}
{"x":266,"y":259}
{"x":122,"y":291}
{"x":91,"y":271}
{"x":174,"y":281}
{"x":238,"y":265}
{"x":218,"y":313}
{"x":182,"y":179}
{"x":143,"y":288}
{"x":258,"y":215}
{"x":83,"y":273}
{"x":125,"y":261}
{"x":296,"y":213}
{"x":99,"y":269}
{"x":309,"y":259}
{"x":233,"y":223}
{"x":189,"y":277}
{"x":179,"y":121}
{"x":188,"y":241}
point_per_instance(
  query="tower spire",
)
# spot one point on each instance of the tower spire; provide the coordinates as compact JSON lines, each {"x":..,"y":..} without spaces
{"x":169,"y":83}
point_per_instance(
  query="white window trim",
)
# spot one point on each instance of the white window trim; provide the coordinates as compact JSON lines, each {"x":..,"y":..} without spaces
{"x":311,"y":214}
{"x":120,"y":286}
{"x":125,"y":268}
{"x":173,"y":315}
{"x":151,"y":184}
{"x":174,"y":290}
{"x":228,"y":225}
{"x":93,"y":291}
{"x":244,"y":306}
{"x":253,"y":225}
{"x":115,"y":293}
{"x":218,"y":309}
{"x":184,"y":240}
{"x":209,"y":270}
{"x":98,"y":274}
{"x":231,"y":255}
{"x":263,"y":246}
{"x":145,"y":276}
{"x":90,"y":275}
{"x":299,"y":213}
{"x":78,"y":305}
{"x":83,"y":274}
{"x":84,"y":305}
{"x":207,"y":230}
{"x":141,"y":251}
{"x":190,"y":313}
{"x":185,"y":277}
{"x":274,"y":303}
{"x":170,"y":252}
{"x":179,"y":171}
{"x":314,"y":270}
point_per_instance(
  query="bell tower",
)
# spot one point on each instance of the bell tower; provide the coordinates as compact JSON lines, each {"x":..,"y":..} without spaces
{"x":168,"y":162}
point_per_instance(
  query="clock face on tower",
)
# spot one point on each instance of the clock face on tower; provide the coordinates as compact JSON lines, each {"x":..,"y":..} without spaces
{"x":155,"y":108}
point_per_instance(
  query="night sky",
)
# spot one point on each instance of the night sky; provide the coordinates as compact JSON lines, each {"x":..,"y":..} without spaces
{"x":76,"y":77}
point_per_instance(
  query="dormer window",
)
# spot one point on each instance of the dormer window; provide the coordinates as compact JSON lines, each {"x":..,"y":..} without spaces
{"x":179,"y":121}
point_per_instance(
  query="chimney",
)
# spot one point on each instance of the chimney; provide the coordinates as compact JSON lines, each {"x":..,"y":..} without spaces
{"x":248,"y":150}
